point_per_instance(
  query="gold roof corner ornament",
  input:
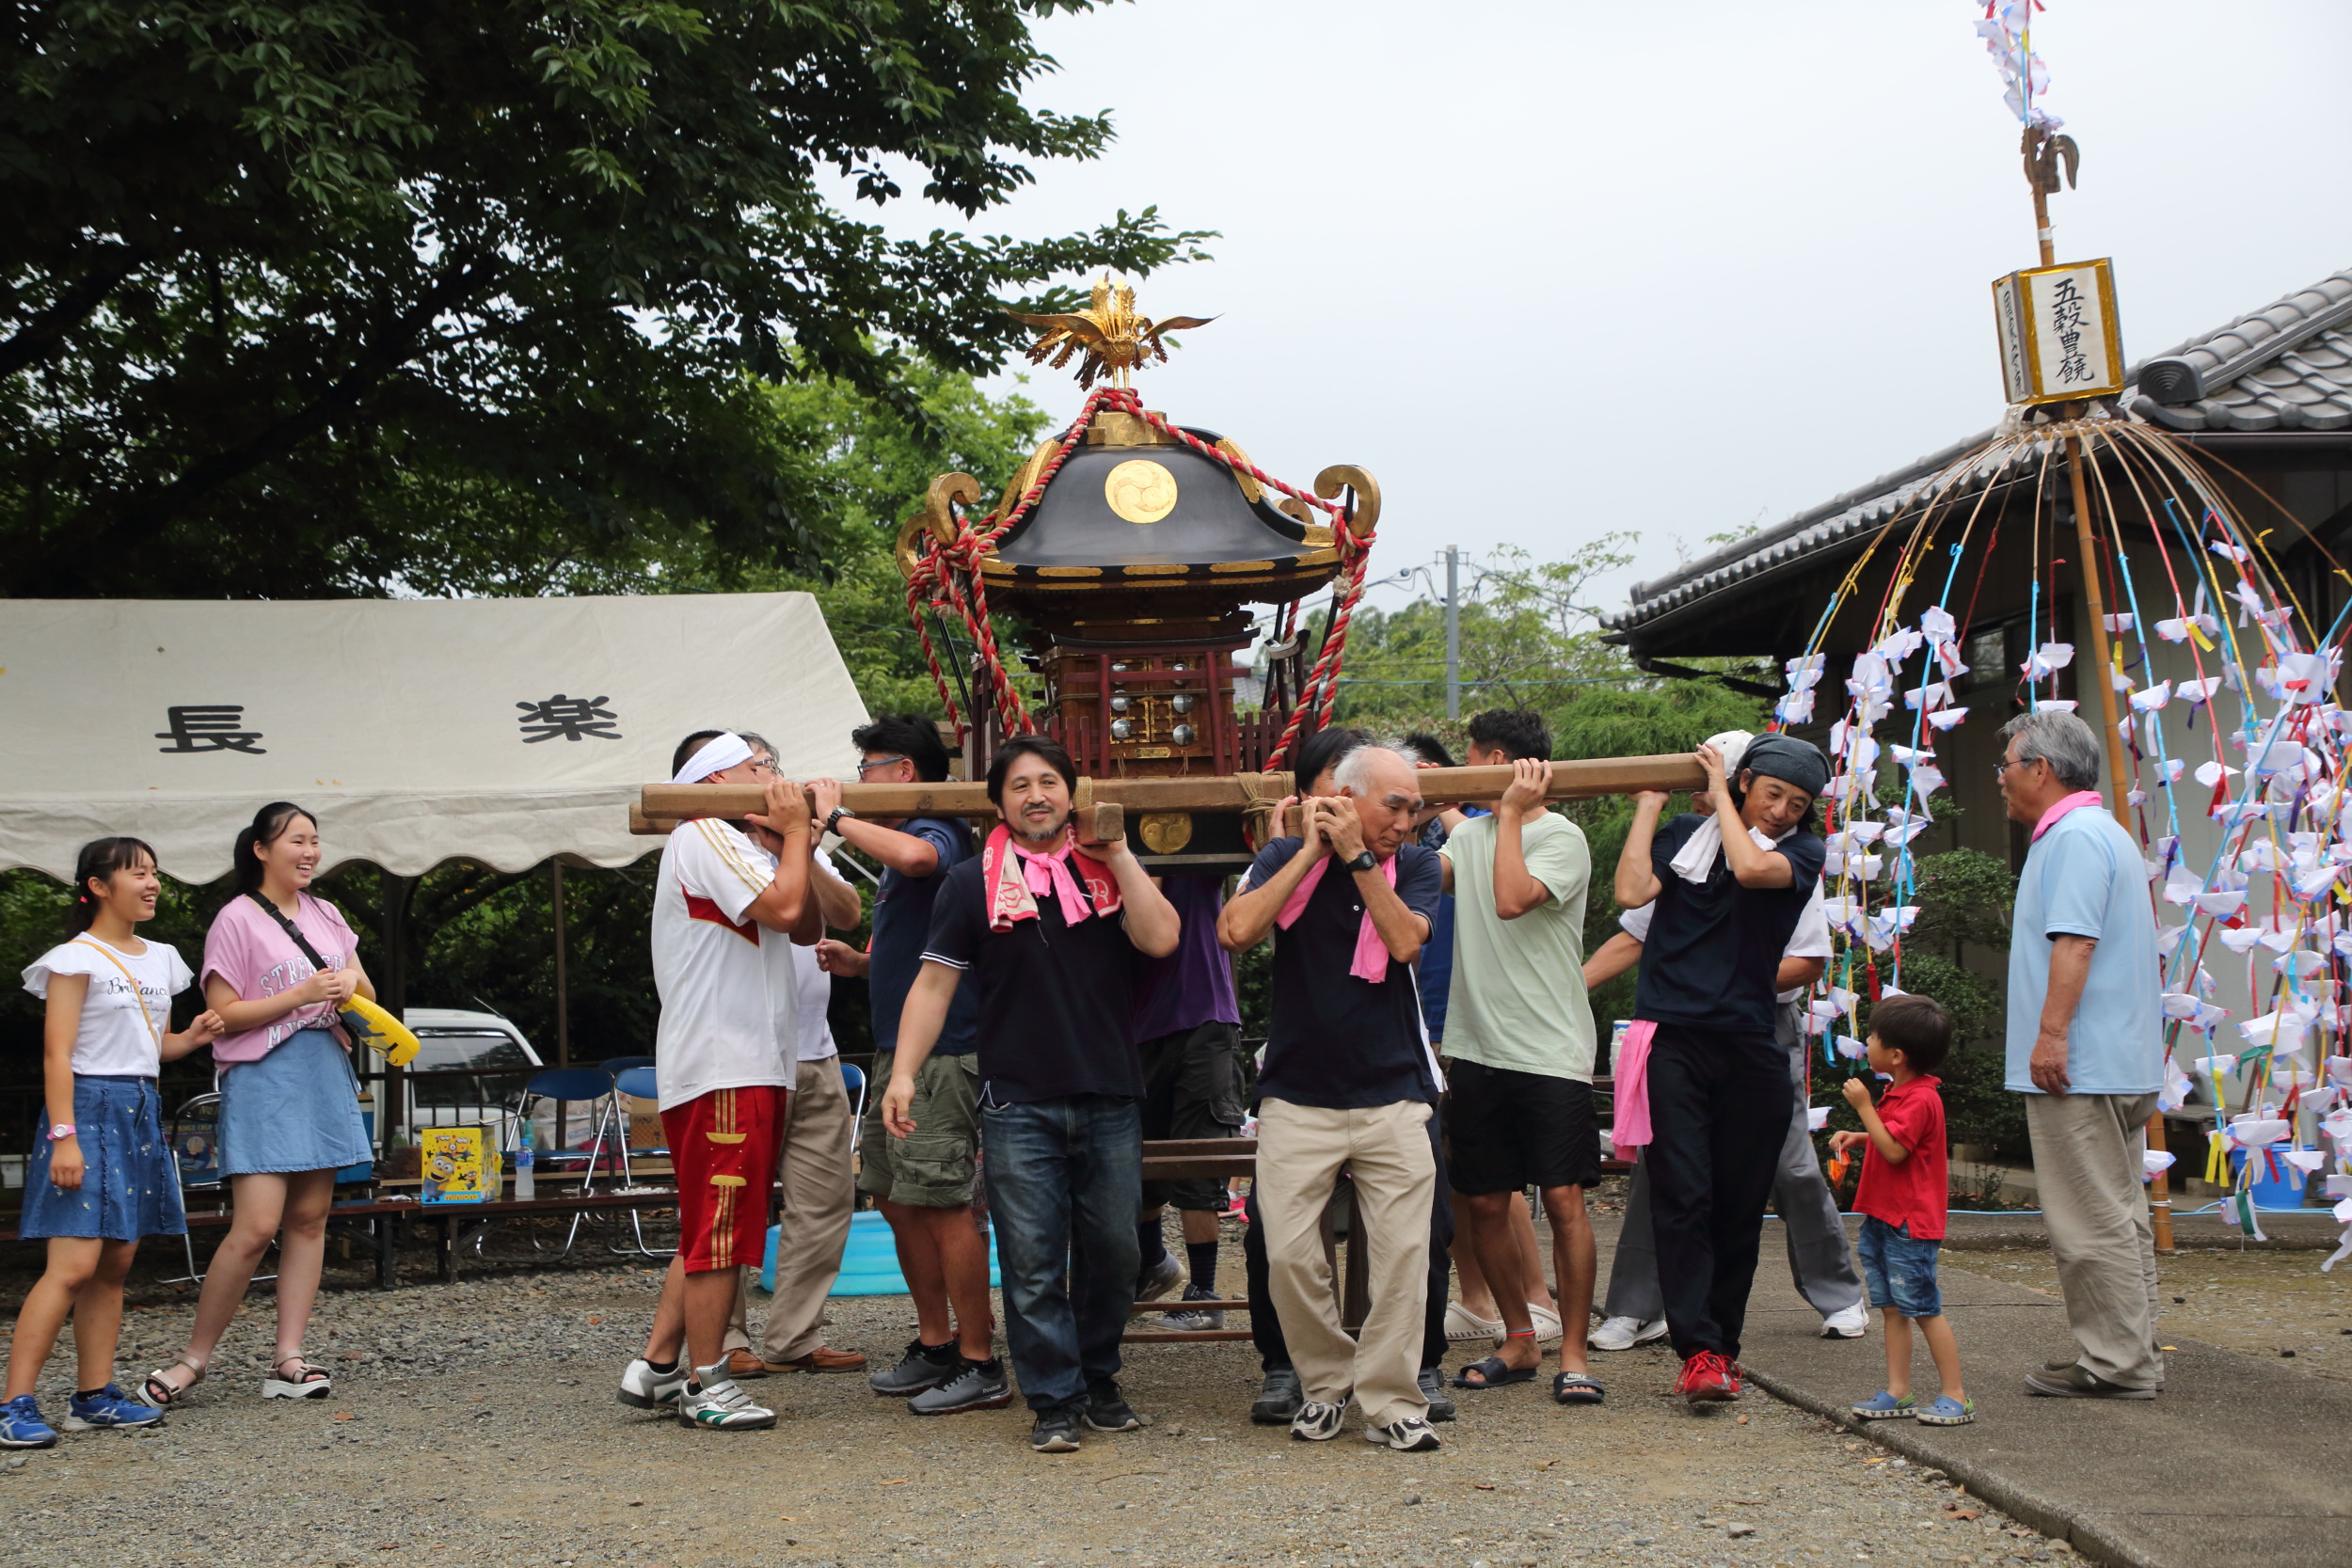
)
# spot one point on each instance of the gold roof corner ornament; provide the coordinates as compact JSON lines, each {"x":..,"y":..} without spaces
{"x":1113,"y":339}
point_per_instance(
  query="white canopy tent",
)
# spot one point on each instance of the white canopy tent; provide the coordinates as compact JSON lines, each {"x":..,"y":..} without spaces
{"x":504,"y":731}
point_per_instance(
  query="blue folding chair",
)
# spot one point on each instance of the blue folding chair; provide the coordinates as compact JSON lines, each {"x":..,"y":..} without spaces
{"x":639,"y":1083}
{"x":575,"y":1084}
{"x":853,"y":1080}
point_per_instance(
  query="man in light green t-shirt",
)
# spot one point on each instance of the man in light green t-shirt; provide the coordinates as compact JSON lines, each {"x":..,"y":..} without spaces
{"x":1518,"y":1045}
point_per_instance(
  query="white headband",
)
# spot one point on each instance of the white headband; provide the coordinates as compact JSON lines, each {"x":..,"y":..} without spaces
{"x":719,"y":753}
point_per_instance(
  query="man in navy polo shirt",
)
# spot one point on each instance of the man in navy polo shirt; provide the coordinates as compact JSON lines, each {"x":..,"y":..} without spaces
{"x":1348,"y":1082}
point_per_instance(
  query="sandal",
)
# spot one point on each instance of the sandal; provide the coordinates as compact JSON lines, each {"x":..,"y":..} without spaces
{"x":158,"y":1392}
{"x":307,"y":1383}
{"x":1577,"y":1388}
{"x":1493,"y":1373}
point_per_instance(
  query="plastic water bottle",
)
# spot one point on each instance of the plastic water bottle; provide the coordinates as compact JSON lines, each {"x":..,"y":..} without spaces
{"x":524,"y":1161}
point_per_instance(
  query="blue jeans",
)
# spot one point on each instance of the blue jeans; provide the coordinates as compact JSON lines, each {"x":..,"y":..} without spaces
{"x":1899,"y":1271}
{"x":1065,"y":1179}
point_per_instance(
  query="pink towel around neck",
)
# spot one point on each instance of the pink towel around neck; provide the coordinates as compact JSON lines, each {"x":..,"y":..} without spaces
{"x":1016,"y":879}
{"x":1372,"y":954}
{"x":1629,"y":1125}
{"x":2075,"y":801}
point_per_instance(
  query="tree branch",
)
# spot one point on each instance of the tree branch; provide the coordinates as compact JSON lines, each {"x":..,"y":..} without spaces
{"x":140,"y":517}
{"x":37,"y":337}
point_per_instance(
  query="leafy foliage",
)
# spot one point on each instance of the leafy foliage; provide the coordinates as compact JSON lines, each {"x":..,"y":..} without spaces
{"x":343,"y":297}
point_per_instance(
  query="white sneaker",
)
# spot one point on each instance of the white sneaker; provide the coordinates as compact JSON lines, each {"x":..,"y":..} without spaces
{"x":1406,"y":1434}
{"x":1626,"y":1333}
{"x":1464,"y":1326}
{"x":646,"y":1390}
{"x":1847,"y":1322}
{"x":1547,"y":1323}
{"x":1317,"y":1423}
{"x":721,"y":1404}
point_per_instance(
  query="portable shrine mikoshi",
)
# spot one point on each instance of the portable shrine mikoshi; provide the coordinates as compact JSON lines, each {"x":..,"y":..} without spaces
{"x":1131,"y":548}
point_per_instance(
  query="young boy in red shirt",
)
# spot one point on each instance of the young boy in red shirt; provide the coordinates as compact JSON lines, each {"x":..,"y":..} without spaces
{"x":1905,"y":1189}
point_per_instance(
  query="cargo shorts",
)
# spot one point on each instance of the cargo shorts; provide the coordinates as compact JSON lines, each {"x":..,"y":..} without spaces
{"x":932,"y":1166}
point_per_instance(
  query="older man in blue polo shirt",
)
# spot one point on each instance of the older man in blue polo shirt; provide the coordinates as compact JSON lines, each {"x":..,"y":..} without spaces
{"x":1348,"y":1082}
{"x":2086,"y":1048}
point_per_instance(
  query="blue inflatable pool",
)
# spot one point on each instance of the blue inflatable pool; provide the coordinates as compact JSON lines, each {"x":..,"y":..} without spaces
{"x":870,"y":1264}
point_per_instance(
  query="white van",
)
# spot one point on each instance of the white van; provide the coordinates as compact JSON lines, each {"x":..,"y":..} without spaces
{"x":451,"y":1038}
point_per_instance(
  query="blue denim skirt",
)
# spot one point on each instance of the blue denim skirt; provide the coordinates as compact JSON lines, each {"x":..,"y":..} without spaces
{"x":130,"y":1185}
{"x":295,"y":1109}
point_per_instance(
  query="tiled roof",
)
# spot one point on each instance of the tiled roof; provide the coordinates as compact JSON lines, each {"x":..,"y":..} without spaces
{"x":2285,"y":367}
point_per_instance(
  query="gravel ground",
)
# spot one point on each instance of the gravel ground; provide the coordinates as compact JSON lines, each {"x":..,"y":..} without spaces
{"x":2259,"y":1300}
{"x":476,"y":1423}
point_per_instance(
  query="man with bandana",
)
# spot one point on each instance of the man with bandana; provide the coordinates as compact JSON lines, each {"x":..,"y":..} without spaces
{"x":1704,"y":1032}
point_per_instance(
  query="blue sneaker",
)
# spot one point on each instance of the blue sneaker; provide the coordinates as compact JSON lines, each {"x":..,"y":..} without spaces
{"x":109,"y":1407}
{"x":1884,"y":1406}
{"x":21,"y":1426}
{"x":1949,"y":1412}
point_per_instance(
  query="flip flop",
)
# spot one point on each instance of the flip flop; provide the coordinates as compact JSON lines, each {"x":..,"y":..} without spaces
{"x":1493,"y":1373}
{"x":1577,"y":1388}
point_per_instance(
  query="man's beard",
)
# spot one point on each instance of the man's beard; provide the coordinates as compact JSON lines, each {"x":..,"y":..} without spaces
{"x":1020,"y":827}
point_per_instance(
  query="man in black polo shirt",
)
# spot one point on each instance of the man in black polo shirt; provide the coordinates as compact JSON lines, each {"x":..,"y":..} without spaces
{"x":1348,"y":1082}
{"x":1051,"y":933}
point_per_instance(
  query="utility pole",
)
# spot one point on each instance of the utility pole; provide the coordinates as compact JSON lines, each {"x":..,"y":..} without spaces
{"x":1452,"y":632}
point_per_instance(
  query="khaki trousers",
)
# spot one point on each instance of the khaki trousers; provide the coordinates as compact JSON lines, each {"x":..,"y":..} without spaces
{"x":818,"y":1198}
{"x":2086,"y":1163}
{"x":1385,"y":1148}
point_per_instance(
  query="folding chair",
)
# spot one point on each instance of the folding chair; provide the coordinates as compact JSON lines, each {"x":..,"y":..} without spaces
{"x":195,"y":1137}
{"x":638,"y":1082}
{"x":853,"y":1080}
{"x":576,"y":1083}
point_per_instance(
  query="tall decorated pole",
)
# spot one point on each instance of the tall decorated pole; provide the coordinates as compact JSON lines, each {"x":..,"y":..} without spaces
{"x":2060,"y":344}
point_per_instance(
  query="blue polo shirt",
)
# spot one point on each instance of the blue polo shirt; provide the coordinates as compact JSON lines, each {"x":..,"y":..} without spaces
{"x":2085,"y":878}
{"x":1336,"y":1041}
{"x":903,"y":920}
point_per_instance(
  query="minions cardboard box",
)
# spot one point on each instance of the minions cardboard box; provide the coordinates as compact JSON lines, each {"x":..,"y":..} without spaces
{"x":460,"y":1165}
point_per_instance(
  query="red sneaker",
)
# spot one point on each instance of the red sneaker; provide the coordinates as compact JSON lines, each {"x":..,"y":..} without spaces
{"x":1707,"y":1378}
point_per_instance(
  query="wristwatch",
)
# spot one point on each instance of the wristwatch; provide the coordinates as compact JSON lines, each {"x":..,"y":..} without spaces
{"x":1364,"y":861}
{"x":837,"y":814}
{"x":61,"y":1131}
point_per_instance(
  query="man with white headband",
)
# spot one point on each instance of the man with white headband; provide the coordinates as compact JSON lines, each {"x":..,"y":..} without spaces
{"x":1819,"y":1261}
{"x":725,"y":915}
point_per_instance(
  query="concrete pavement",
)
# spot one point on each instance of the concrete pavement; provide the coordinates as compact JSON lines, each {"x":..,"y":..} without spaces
{"x":2239,"y":1462}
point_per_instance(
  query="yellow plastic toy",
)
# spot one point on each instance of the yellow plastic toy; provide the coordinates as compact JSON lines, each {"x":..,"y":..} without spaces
{"x":379,"y":1031}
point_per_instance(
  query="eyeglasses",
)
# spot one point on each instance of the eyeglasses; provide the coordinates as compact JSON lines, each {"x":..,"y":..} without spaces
{"x":2001,"y":768}
{"x":865,"y":767}
{"x":763,"y":765}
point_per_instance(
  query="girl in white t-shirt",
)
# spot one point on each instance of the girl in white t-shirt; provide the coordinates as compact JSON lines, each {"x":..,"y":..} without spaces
{"x":102,"y":1176}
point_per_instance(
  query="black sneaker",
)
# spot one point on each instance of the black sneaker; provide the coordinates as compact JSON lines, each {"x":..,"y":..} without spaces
{"x":976,"y":1386}
{"x":1057,"y":1431}
{"x":1433,"y":1389}
{"x":1106,"y":1412}
{"x":922,"y":1367}
{"x":1199,"y":1321}
{"x":1279,"y":1399}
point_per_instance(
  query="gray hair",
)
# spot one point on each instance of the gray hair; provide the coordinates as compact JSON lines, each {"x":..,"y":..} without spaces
{"x":1352,"y":772}
{"x":2054,"y":736}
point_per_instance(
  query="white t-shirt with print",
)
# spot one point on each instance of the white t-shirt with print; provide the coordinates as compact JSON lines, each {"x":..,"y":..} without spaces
{"x":1810,"y":940}
{"x":121,"y":1033}
{"x":730,"y":1000}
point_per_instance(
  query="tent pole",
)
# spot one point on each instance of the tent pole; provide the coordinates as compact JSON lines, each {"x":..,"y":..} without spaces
{"x":393,"y":993}
{"x":562,"y":1007}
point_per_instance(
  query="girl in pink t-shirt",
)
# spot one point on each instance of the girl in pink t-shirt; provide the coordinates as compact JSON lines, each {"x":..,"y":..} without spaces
{"x":289,"y":1100}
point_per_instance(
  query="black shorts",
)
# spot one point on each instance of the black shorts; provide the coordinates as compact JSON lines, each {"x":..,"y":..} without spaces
{"x":1192,"y":1089}
{"x":1507,"y":1130}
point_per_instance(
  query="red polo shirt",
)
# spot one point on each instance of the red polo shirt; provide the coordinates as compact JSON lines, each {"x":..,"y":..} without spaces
{"x":1918,"y":1190}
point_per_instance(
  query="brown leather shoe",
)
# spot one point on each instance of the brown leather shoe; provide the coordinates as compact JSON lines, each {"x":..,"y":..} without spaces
{"x":742,"y":1364}
{"x":824,"y":1359}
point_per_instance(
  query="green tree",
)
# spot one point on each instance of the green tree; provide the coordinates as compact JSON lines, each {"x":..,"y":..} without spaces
{"x":293,"y":295}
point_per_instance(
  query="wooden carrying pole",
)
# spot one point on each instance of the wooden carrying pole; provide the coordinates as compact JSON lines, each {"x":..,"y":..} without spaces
{"x":1570,"y":781}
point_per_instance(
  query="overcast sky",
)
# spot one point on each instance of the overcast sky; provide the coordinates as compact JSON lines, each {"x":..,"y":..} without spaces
{"x":1549,"y":270}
